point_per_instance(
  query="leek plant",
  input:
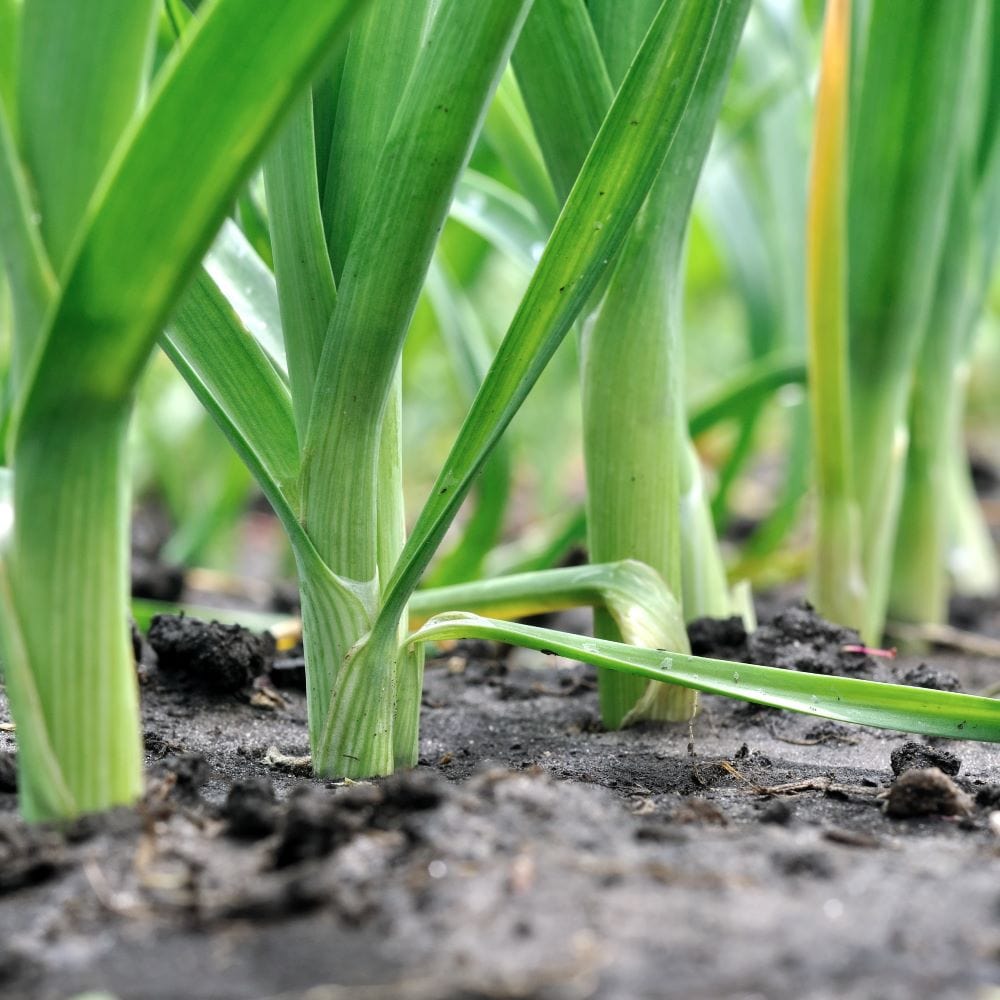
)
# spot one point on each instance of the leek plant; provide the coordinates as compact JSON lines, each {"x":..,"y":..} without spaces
{"x":112,"y":184}
{"x":366,"y":115}
{"x":645,"y":498}
{"x":325,"y":445}
{"x":753,"y":198}
{"x":942,"y":536}
{"x":901,"y":228}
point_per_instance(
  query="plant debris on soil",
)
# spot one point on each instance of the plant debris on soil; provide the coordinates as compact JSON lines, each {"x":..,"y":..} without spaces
{"x":530,"y":855}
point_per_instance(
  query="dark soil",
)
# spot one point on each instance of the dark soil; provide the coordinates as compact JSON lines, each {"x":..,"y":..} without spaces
{"x":531,"y":855}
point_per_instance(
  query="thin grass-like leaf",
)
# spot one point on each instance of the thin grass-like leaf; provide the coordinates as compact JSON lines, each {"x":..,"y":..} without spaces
{"x":842,"y":699}
{"x":249,"y":287}
{"x":225,"y":367}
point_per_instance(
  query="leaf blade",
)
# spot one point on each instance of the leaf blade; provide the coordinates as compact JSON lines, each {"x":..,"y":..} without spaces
{"x":843,"y":699}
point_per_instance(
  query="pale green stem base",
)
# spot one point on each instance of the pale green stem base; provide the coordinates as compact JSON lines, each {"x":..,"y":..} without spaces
{"x":69,"y":585}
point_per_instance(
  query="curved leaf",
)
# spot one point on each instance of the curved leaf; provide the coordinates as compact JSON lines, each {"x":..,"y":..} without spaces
{"x":156,"y":210}
{"x":843,"y":699}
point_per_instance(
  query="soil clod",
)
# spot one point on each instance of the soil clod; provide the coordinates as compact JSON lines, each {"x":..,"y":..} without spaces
{"x":179,"y":776}
{"x":926,"y":792}
{"x":251,"y":810}
{"x":796,"y":638}
{"x":800,"y":639}
{"x":718,"y":638}
{"x":8,"y":772}
{"x":777,"y":811}
{"x":806,"y":862}
{"x":28,"y":855}
{"x":912,"y":756}
{"x":923,"y":676}
{"x":221,"y":658}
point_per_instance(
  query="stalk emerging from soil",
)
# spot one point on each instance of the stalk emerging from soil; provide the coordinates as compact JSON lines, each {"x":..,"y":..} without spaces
{"x":878,"y":276}
{"x":123,"y":222}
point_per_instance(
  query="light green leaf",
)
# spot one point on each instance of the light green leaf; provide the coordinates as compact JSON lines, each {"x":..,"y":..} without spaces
{"x":842,"y":699}
{"x":83,"y":75}
{"x":29,"y":273}
{"x":155,"y":212}
{"x":565,"y":85}
{"x":249,"y":287}
{"x":428,"y":145}
{"x":235,"y":381}
{"x":307,"y":293}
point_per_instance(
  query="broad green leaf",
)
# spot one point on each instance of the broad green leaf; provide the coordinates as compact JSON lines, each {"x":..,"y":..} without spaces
{"x":156,"y":212}
{"x":83,"y":74}
{"x":352,"y":445}
{"x":383,"y":48}
{"x":921,"y":563}
{"x":306,"y":290}
{"x":619,"y":28}
{"x":29,"y":273}
{"x":565,"y":85}
{"x":10,"y":33}
{"x":428,"y":145}
{"x":916,"y":73}
{"x":842,"y":699}
{"x":635,"y":434}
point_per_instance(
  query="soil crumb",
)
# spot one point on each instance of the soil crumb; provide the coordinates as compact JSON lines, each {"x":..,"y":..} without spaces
{"x":926,"y":792}
{"x":916,"y":756}
{"x":8,"y":772}
{"x":221,"y":658}
{"x":251,"y":809}
{"x":923,"y":676}
{"x":796,"y":638}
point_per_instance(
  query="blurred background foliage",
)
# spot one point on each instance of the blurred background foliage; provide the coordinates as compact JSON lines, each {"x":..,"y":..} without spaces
{"x":743,"y":321}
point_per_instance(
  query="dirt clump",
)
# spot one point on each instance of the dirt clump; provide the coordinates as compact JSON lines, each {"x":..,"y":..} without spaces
{"x":923,"y":676}
{"x":220,"y":658}
{"x":800,"y":639}
{"x":926,"y":792}
{"x":718,"y":638}
{"x":795,"y":638}
{"x":914,"y":756}
{"x":251,"y":809}
{"x":29,"y":855}
{"x":8,"y":772}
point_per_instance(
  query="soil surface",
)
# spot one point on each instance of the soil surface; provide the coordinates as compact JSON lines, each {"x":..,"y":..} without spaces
{"x":531,"y":855}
